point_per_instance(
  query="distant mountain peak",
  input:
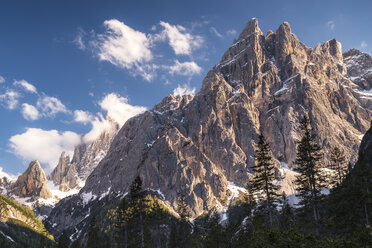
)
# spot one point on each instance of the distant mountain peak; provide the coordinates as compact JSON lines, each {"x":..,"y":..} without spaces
{"x":32,"y":183}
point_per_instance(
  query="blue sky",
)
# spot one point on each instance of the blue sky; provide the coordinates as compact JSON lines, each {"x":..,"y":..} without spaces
{"x":65,"y":63}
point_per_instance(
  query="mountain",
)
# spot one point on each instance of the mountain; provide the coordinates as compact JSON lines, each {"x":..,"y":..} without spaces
{"x":203,"y":146}
{"x":32,"y":183}
{"x":70,"y":174}
{"x":64,"y":174}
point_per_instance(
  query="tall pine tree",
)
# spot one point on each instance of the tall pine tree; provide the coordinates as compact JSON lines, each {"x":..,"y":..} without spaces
{"x":310,"y":180}
{"x":338,"y":166}
{"x":264,"y":175}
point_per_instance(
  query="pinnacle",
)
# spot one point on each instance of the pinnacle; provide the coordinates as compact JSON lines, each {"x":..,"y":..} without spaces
{"x":284,"y":28}
{"x":250,"y":28}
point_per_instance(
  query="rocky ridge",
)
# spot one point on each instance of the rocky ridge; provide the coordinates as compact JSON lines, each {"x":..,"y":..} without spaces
{"x":202,"y":146}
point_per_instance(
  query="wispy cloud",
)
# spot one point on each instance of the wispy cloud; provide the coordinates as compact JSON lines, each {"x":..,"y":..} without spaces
{"x":25,"y":85}
{"x":29,"y":112}
{"x":331,"y":25}
{"x":50,"y":106}
{"x":184,"y":90}
{"x":10,"y":99}
{"x":79,"y":42}
{"x":214,"y":31}
{"x":2,"y":80}
{"x":125,"y":47}
{"x":231,"y":32}
{"x":184,"y":68}
{"x":363,"y":44}
{"x":83,"y":116}
{"x":181,"y":41}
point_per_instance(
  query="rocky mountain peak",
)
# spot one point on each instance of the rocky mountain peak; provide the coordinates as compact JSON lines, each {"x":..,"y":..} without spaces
{"x":65,"y":174}
{"x":359,"y":68}
{"x":250,"y":28}
{"x":32,"y":183}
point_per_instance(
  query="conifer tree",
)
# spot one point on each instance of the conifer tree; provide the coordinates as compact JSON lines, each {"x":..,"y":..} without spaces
{"x":182,"y":233}
{"x":93,"y":234}
{"x":310,"y":180}
{"x":286,"y":217}
{"x":137,"y":204}
{"x":182,"y":209}
{"x":264,"y":176}
{"x":249,"y":199}
{"x":63,"y":240}
{"x":338,"y":165}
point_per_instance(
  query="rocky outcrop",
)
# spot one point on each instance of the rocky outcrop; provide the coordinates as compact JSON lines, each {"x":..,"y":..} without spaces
{"x":72,"y":174}
{"x":199,"y":146}
{"x":359,"y":68}
{"x":96,"y":151}
{"x":64,"y":174}
{"x":32,"y":183}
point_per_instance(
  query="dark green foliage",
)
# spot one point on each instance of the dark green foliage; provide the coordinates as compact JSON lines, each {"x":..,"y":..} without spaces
{"x":63,"y":240}
{"x":310,"y":180}
{"x":286,"y":215}
{"x":264,"y":175}
{"x":339,"y":166}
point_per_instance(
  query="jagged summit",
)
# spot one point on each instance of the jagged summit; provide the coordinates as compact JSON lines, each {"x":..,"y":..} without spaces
{"x":32,"y":183}
{"x":250,"y":28}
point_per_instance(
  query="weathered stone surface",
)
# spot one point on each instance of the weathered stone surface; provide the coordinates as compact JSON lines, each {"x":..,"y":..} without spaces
{"x":64,"y":174}
{"x":32,"y":183}
{"x":197,"y":145}
{"x":68,"y":174}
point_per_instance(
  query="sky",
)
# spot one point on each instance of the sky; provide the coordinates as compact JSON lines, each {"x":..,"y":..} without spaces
{"x":65,"y":65}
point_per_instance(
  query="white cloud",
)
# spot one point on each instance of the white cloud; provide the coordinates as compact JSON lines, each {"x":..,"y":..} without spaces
{"x":99,"y":125}
{"x":184,"y":90}
{"x":119,"y":109}
{"x":50,"y":106}
{"x":29,"y":112}
{"x":185,"y":68}
{"x":10,"y":99}
{"x":83,"y":116}
{"x":331,"y":25}
{"x":231,"y":32}
{"x":363,"y":44}
{"x":9,"y":176}
{"x":2,"y":80}
{"x":180,"y":40}
{"x":125,"y":47}
{"x":79,"y":42}
{"x":25,"y":85}
{"x":213,"y":30}
{"x":43,"y":145}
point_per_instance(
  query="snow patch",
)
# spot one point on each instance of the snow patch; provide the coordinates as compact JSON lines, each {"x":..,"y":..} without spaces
{"x":151,"y":143}
{"x":234,"y":193}
{"x":87,"y":197}
{"x":105,"y":194}
{"x":285,"y":86}
{"x":7,"y":236}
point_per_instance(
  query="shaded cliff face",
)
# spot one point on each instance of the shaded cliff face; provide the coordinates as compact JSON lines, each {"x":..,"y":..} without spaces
{"x":365,"y":151}
{"x":32,"y":183}
{"x":200,"y":146}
